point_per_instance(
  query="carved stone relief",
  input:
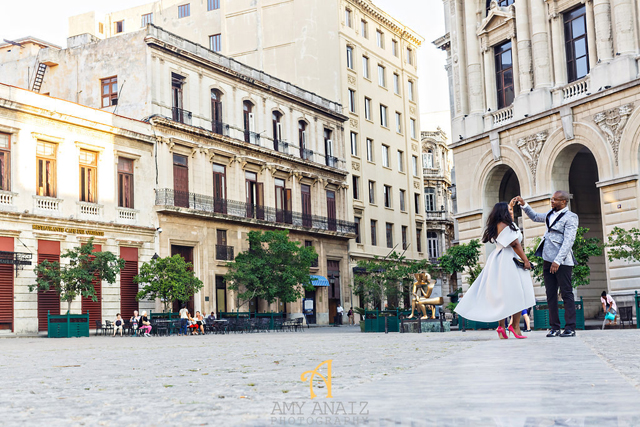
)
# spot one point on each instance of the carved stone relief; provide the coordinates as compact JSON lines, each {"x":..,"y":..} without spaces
{"x":356,"y":166}
{"x":414,"y":147}
{"x":353,"y":123}
{"x":416,"y":184}
{"x":612,"y":122}
{"x":531,"y":147}
{"x":351,"y":80}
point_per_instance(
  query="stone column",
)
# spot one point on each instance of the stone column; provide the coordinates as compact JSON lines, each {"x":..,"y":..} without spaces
{"x":604,"y":39}
{"x":489,"y":77}
{"x":523,"y":47}
{"x":559,"y":61}
{"x":474,"y":70}
{"x":625,"y":34}
{"x":459,"y":59}
{"x":516,"y":65}
{"x":540,"y":45}
{"x":591,"y":35}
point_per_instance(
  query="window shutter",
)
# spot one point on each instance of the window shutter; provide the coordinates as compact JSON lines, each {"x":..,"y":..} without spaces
{"x":329,"y":147}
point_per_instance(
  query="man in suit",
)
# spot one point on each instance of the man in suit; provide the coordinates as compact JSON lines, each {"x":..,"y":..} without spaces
{"x":555,"y":250}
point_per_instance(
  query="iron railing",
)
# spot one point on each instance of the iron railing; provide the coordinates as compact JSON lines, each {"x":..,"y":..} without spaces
{"x":224,"y":253}
{"x":220,"y":128}
{"x":181,"y":116}
{"x":251,"y":137}
{"x":331,"y":161}
{"x":281,"y":146}
{"x":211,"y":205}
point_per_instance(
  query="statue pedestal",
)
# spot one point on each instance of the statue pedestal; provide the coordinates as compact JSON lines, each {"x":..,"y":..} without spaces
{"x":427,"y":325}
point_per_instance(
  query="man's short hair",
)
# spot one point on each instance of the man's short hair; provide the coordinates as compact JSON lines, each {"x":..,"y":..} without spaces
{"x":563,"y":195}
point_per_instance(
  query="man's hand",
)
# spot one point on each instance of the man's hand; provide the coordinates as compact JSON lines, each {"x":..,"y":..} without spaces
{"x":554,"y":268}
{"x":527,"y":265}
{"x":519,"y":200}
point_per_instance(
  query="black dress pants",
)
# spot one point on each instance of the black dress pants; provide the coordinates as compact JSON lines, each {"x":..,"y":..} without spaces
{"x":561,"y":279}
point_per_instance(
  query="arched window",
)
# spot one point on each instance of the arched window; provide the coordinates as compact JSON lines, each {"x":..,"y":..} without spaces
{"x":216,"y":111}
{"x":249,"y":125}
{"x":427,"y":159}
{"x":276,"y":118}
{"x":302,"y":140}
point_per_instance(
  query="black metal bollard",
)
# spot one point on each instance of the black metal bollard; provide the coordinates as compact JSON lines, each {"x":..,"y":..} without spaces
{"x":386,"y":325}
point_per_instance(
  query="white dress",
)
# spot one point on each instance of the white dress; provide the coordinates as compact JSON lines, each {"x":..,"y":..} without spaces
{"x":502,"y":288}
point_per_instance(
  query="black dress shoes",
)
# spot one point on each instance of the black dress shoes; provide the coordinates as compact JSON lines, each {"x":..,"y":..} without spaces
{"x":553,"y":333}
{"x":568,"y":333}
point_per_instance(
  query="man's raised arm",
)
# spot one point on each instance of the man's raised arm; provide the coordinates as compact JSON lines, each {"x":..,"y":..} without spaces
{"x":533,"y":215}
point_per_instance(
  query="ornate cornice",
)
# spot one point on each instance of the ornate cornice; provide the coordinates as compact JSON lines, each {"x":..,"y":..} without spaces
{"x":366,"y":6}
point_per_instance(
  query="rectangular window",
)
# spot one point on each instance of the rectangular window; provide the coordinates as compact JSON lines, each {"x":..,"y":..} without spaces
{"x":383,"y":116}
{"x":372,"y":192}
{"x":416,"y":202}
{"x":119,"y":27}
{"x":389,"y":233}
{"x":381,"y":76}
{"x":380,"y":39}
{"x":350,"y":57}
{"x":213,"y":4}
{"x":394,"y":47}
{"x":409,"y":56}
{"x":386,"y":196}
{"x":356,"y":187}
{"x":369,"y":149}
{"x":575,"y":35}
{"x":400,"y":161}
{"x":403,"y":206}
{"x":46,"y":169}
{"x":396,"y":84}
{"x":215,"y":42}
{"x":504,"y":74}
{"x":88,"y":176}
{"x":125,"y":183}
{"x":429,"y":199}
{"x":412,"y":125}
{"x":432,"y":244}
{"x":184,"y":10}
{"x":352,"y":100}
{"x":411,"y":98}
{"x":367,"y":108}
{"x":101,"y":28}
{"x":414,"y":165}
{"x":364,"y":29}
{"x":147,"y":19}
{"x":5,"y":162}
{"x":398,"y":122}
{"x":365,"y":67}
{"x":385,"y":156}
{"x":354,"y":144}
{"x":419,"y":239}
{"x":405,"y":244}
{"x":109,"y":91}
{"x":374,"y":232}
{"x":358,"y":220}
{"x":347,"y":17}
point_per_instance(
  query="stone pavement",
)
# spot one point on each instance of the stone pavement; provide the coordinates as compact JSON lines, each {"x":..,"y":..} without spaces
{"x":434,"y":379}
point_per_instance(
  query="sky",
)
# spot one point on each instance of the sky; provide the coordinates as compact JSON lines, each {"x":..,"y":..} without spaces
{"x":48,"y":20}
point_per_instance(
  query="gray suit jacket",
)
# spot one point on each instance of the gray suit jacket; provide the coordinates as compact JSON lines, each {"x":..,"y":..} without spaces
{"x":557,"y":241}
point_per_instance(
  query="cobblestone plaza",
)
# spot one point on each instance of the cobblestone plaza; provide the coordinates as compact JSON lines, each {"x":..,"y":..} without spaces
{"x":456,"y":378}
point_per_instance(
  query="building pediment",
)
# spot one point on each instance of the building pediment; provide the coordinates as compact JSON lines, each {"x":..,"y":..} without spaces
{"x":498,"y":26}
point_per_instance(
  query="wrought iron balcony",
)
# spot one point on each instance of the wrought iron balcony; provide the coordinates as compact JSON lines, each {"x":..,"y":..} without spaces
{"x":220,"y":128}
{"x":224,"y":253}
{"x":281,"y":146}
{"x":331,"y":161}
{"x":181,"y":116}
{"x":251,"y":137}
{"x":306,"y":154}
{"x":213,"y":205}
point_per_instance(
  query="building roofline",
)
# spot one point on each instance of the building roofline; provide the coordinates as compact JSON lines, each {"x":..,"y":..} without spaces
{"x":29,"y":39}
{"x":400,"y":29}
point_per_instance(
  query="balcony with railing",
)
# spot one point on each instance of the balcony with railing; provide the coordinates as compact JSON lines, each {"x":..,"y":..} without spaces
{"x":281,"y":146}
{"x":181,"y":116}
{"x":251,"y":137}
{"x":242,"y":211}
{"x":440,"y":215}
{"x":306,"y":154}
{"x":331,"y":161}
{"x":220,"y":128}
{"x":44,"y":204}
{"x":224,"y":253}
{"x":6,"y":199}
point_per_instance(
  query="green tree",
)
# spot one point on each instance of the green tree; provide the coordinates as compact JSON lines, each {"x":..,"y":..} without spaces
{"x":168,"y":279}
{"x":583,"y":249}
{"x":77,"y":276}
{"x":273,"y":268}
{"x":384,"y":277}
{"x":462,"y":258}
{"x":624,"y":244}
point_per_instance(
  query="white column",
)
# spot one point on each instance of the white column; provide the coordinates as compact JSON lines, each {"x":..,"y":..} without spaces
{"x":540,"y":45}
{"x":625,"y":34}
{"x":474,"y":70}
{"x":523,"y":47}
{"x":591,"y":35}
{"x":557,"y":38}
{"x":604,"y":39}
{"x":460,"y":50}
{"x":490,"y":78}
{"x":516,"y":65}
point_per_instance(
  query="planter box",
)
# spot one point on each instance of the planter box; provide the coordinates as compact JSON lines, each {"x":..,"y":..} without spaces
{"x":541,"y":315}
{"x":67,"y":325}
{"x":464,"y":324}
{"x":374,"y":321}
{"x":362,"y":326}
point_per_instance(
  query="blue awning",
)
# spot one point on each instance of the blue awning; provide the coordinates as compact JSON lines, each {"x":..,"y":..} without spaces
{"x":319,"y":280}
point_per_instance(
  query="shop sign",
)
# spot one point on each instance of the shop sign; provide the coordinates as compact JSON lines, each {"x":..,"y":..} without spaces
{"x":68,"y":230}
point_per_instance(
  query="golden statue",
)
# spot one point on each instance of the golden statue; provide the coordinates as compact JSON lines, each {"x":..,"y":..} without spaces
{"x":421,"y":297}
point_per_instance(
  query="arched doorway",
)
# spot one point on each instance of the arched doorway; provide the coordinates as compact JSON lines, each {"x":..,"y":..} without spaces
{"x":575,"y":170}
{"x":502,"y":186}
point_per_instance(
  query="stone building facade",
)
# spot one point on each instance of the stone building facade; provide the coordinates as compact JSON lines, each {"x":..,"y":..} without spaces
{"x":235,"y":150}
{"x":60,"y":167}
{"x":544,"y":97}
{"x":349,"y":51}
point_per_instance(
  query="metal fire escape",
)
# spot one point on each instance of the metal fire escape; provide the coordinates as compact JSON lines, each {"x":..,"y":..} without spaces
{"x":37,"y":82}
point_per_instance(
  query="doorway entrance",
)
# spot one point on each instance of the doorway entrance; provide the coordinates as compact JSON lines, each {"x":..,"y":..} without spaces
{"x":333,"y":273}
{"x":186,"y":252}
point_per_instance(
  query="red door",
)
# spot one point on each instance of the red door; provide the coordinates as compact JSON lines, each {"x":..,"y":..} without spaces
{"x":94,"y":308}
{"x":48,"y":301}
{"x":331,"y":210}
{"x":180,"y":181}
{"x":6,"y":285}
{"x":128,"y":289}
{"x":306,"y":206}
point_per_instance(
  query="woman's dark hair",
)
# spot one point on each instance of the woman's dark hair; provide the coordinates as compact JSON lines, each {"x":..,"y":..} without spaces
{"x":500,"y":213}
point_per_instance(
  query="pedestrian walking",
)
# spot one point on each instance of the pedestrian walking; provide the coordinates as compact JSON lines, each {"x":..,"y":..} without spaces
{"x":350,"y":316}
{"x":184,"y":320}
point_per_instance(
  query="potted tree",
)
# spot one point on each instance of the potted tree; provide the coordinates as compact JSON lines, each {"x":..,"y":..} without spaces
{"x":72,"y":280}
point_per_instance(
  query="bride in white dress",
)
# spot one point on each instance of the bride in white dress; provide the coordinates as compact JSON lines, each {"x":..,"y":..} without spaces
{"x":502,"y":289}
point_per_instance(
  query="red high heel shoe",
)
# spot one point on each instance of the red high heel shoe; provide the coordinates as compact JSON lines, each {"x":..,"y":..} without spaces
{"x":501,"y":333}
{"x":514,"y":333}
